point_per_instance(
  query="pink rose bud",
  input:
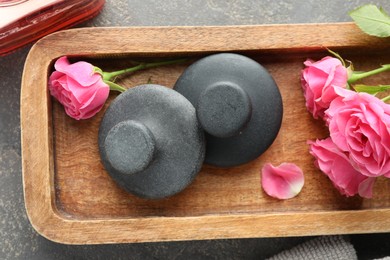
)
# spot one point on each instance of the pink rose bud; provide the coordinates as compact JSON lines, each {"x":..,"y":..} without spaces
{"x":78,"y":88}
{"x":335,"y":164}
{"x":359,"y":125}
{"x":282,"y":182}
{"x":318,"y":81}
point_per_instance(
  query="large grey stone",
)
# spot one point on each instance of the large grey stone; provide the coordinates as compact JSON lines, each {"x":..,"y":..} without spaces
{"x":150,"y":141}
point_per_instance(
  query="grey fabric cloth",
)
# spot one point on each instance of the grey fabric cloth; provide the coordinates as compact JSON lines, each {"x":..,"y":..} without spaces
{"x":326,"y":247}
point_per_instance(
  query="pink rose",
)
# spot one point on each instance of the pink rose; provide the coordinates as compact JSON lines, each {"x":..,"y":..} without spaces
{"x":336,"y":165}
{"x":78,"y":88}
{"x":318,"y":81}
{"x":359,"y":124}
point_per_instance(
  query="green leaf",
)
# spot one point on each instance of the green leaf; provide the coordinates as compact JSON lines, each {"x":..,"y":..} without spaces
{"x":337,"y":56}
{"x":114,"y":86}
{"x":371,"y":89}
{"x":97,"y":70}
{"x":372,"y":20}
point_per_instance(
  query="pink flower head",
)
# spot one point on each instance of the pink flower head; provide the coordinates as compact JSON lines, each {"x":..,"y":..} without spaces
{"x":282,"y":182}
{"x":336,"y":165}
{"x":319,"y":79}
{"x":78,"y":88}
{"x":359,"y":124}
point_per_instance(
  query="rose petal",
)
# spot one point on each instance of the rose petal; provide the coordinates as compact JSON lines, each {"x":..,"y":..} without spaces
{"x":96,"y":102}
{"x":82,"y":72}
{"x":366,"y":187}
{"x":340,"y":75}
{"x":282,"y":182}
{"x":327,"y":64}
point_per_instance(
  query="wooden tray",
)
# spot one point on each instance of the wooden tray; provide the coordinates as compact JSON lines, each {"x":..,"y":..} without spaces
{"x":70,"y":198}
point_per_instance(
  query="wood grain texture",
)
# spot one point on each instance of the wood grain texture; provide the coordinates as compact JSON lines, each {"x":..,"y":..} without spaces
{"x":71,"y":199}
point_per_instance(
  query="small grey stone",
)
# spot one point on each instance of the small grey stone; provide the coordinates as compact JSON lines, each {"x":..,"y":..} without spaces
{"x":238,"y":105}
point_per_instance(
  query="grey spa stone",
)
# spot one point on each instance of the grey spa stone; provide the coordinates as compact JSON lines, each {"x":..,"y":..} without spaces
{"x":150,"y":141}
{"x":238,"y":105}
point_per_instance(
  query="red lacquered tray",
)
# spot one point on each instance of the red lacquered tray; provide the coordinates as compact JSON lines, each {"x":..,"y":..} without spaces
{"x":24,"y":21}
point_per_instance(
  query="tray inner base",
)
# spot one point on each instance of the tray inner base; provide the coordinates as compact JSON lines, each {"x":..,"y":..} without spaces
{"x":84,"y":190}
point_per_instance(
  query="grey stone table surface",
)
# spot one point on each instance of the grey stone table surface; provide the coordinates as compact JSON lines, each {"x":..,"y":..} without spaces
{"x":18,"y":240}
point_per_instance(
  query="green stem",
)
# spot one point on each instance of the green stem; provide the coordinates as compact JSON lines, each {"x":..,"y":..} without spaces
{"x":357,"y":76}
{"x":107,"y":76}
{"x":386,"y":98}
{"x":114,"y":86}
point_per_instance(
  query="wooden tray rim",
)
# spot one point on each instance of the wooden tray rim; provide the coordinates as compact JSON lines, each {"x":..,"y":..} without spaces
{"x":37,"y":143}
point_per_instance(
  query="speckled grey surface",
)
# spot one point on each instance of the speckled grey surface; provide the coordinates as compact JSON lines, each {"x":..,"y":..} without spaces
{"x":18,"y":240}
{"x":238,"y":105}
{"x":150,"y":141}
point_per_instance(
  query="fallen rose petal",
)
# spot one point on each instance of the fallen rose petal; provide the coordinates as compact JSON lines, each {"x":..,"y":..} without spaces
{"x":282,"y":182}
